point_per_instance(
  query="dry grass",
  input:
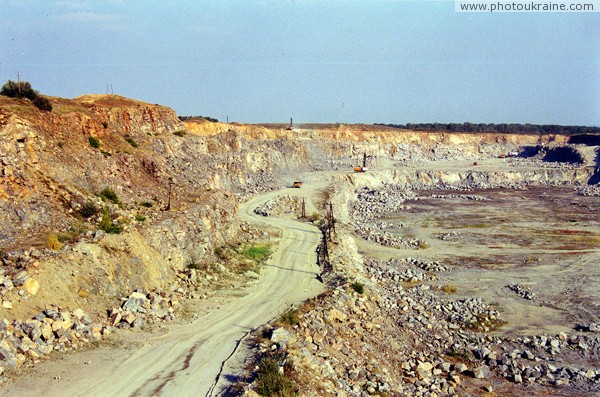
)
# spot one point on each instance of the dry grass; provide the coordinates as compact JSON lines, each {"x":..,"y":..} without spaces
{"x":64,"y":109}
{"x":53,"y":242}
{"x":450,"y":288}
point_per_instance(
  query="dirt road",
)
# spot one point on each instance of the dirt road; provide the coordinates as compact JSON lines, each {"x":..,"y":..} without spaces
{"x":186,"y":360}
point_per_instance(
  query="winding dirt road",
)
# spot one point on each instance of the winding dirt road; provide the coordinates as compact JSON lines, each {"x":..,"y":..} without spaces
{"x":187,"y":360}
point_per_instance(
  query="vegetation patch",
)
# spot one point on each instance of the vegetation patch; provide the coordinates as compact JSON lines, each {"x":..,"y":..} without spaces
{"x":131,"y":142}
{"x":107,"y":194}
{"x":88,"y":210}
{"x":140,"y":218}
{"x":94,"y":142}
{"x":53,"y":242}
{"x":191,"y":118}
{"x":450,"y":288}
{"x":358,"y":287}
{"x":181,"y":133}
{"x":22,"y":89}
{"x":257,"y":252}
{"x":107,"y":225}
{"x":290,"y":317}
{"x":271,"y":382}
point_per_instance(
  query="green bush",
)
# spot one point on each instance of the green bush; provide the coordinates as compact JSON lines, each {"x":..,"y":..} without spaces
{"x":132,"y":142}
{"x":290,"y":316}
{"x":256,"y":252}
{"x":88,"y":210}
{"x":42,"y":103}
{"x":23,"y":89}
{"x":180,"y":133}
{"x":140,"y":218}
{"x":94,"y":142}
{"x":147,"y":204}
{"x":358,"y":287}
{"x":270,"y":382}
{"x":107,"y":225}
{"x":108,"y":194}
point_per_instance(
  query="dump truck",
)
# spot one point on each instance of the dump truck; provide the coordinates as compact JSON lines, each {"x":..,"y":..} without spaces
{"x":297,"y":184}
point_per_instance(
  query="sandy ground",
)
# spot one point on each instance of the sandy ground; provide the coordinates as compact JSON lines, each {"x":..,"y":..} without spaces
{"x":187,"y":359}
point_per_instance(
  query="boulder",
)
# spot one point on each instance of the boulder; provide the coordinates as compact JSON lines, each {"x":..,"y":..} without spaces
{"x":31,"y":286}
{"x":280,"y":336}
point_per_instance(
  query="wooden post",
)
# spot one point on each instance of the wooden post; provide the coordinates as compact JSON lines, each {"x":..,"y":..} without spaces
{"x":303,"y":209}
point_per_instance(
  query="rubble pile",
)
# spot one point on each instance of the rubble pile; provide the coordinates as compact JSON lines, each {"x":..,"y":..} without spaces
{"x":280,"y":205}
{"x":372,"y":204}
{"x":523,"y":291}
{"x":54,"y":329}
{"x":418,"y":341}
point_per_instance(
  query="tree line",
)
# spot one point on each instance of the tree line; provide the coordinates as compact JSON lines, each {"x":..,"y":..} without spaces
{"x":513,"y":128}
{"x":184,"y":118}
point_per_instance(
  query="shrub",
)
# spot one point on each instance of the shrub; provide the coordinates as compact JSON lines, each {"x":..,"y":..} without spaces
{"x":220,"y":253}
{"x":269,"y":381}
{"x":194,"y":265}
{"x":180,"y":133}
{"x":42,"y":103}
{"x":147,"y":204}
{"x":23,"y":90}
{"x":132,"y":142}
{"x":107,"y":225}
{"x":290,"y":316}
{"x":140,"y":218}
{"x":53,"y":242}
{"x":76,"y":229}
{"x":110,"y":195}
{"x":105,"y":124}
{"x":314,"y":217}
{"x":94,"y":142}
{"x":450,"y":288}
{"x":358,"y":287}
{"x":88,"y":210}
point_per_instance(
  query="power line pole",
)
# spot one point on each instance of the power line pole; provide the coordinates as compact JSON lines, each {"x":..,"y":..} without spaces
{"x":19,"y":82}
{"x":303,"y":209}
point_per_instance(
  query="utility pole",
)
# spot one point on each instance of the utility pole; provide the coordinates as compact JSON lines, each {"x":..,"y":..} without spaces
{"x":303,"y":209}
{"x":19,"y":82}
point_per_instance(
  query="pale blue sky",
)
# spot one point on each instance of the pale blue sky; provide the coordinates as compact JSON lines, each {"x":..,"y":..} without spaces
{"x":317,"y":61}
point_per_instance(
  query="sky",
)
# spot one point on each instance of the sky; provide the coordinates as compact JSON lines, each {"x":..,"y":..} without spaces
{"x":321,"y":61}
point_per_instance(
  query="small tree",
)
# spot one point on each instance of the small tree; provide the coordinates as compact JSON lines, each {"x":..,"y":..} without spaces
{"x":23,"y":90}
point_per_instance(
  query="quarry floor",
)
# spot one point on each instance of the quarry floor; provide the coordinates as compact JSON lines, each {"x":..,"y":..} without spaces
{"x":544,"y":238}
